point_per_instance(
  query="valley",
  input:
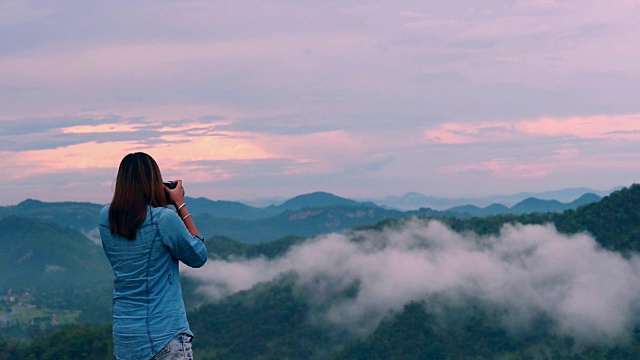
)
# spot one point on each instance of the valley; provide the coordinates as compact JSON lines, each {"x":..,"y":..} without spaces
{"x":350,"y":281}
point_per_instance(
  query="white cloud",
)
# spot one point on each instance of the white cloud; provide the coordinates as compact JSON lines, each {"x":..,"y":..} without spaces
{"x":591,"y":293}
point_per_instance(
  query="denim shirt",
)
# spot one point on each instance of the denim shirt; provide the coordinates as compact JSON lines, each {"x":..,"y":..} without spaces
{"x":148,"y":310}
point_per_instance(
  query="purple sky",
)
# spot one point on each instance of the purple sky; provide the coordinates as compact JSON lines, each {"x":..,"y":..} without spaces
{"x":248,"y":99}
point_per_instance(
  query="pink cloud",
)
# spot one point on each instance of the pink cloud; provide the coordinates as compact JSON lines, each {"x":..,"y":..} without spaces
{"x":612,"y":127}
{"x":555,"y":159}
{"x":188,"y":149}
{"x":180,"y":148}
{"x":594,"y":127}
{"x":466,"y":133}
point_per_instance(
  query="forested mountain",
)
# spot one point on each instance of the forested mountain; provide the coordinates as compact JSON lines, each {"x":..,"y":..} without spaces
{"x":614,"y":221}
{"x":228,"y":209}
{"x":308,"y":216}
{"x":303,"y":216}
{"x":292,"y":315}
{"x":526,"y":206}
{"x":77,"y":215}
{"x":319,"y":199}
{"x":43,"y":255}
{"x":81,"y":215}
{"x":306,"y":222}
{"x":420,"y":330}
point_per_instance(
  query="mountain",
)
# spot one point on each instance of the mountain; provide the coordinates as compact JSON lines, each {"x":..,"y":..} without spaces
{"x":237,"y":210}
{"x":46,"y":255}
{"x":535,"y":205}
{"x":227,"y":209}
{"x":305,"y":215}
{"x":285,"y":318}
{"x":279,"y":319}
{"x":319,"y":199}
{"x":306,"y":222}
{"x":585,"y":199}
{"x":564,"y":195}
{"x":262,"y":202}
{"x":415,"y":200}
{"x":613,"y":220}
{"x":477,"y":211}
{"x":526,"y":206}
{"x":494,"y":209}
{"x":278,"y":314}
{"x":81,"y":216}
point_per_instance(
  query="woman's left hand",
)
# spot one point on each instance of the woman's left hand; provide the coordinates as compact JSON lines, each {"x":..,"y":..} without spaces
{"x":176,"y":195}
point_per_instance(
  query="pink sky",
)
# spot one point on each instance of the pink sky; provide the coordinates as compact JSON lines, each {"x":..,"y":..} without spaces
{"x":260,"y":98}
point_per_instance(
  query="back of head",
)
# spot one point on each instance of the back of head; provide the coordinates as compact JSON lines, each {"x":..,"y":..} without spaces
{"x":138,"y":185}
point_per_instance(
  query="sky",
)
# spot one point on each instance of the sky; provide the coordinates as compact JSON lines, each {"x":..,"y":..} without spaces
{"x":363,"y":99}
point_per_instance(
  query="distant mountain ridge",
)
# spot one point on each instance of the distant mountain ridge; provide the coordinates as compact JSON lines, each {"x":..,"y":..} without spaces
{"x":416,"y":200}
{"x":237,"y":210}
{"x":318,"y":199}
{"x":305,"y":215}
{"x":305,"y":222}
{"x":526,"y":206}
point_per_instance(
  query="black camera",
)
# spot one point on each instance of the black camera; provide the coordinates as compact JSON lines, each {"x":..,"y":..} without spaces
{"x":170,"y":184}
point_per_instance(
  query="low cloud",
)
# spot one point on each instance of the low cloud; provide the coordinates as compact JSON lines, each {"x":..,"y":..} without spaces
{"x":592,"y":294}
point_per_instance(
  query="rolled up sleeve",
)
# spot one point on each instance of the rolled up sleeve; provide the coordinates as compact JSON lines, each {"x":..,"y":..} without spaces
{"x":185,"y":247}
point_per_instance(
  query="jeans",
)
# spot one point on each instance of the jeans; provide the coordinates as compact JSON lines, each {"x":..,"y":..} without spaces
{"x":178,"y":348}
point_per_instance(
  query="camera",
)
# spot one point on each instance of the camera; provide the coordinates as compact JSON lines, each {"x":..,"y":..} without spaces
{"x":170,"y":184}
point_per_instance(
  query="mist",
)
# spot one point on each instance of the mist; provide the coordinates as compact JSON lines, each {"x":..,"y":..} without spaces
{"x":591,"y":294}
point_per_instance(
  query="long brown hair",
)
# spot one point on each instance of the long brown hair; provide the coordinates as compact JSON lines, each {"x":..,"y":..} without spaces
{"x":138,"y":185}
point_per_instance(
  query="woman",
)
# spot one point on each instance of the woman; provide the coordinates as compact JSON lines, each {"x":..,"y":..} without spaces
{"x":144,"y":241}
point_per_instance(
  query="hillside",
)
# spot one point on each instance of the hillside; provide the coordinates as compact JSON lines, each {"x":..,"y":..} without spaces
{"x":614,"y":221}
{"x":307,"y":313}
{"x":77,"y":215}
{"x":37,"y":254}
{"x":228,"y":209}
